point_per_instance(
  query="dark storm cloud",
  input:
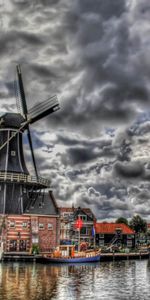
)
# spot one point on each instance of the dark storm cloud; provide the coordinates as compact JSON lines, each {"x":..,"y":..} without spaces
{"x":98,"y":46}
{"x":112,"y":80}
{"x":81,"y":154}
{"x":12,"y":40}
{"x":143,"y":140}
{"x":125,"y":151}
{"x":78,"y":155}
{"x":103,"y":206}
{"x":95,"y":56}
{"x":129,"y":170}
{"x":42,"y":71}
{"x":141,"y":129}
{"x":110,"y":189}
{"x":69,"y":140}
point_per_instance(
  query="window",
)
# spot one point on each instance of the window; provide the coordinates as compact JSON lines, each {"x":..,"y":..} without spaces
{"x":83,"y":218}
{"x":101,"y":236}
{"x":50,"y":226}
{"x":24,"y":224}
{"x":130,"y":236}
{"x":83,"y":230}
{"x":66,"y":214}
{"x":35,"y":240}
{"x":13,"y":153}
{"x":12,"y":224}
{"x":41,"y":226}
{"x":22,"y":245}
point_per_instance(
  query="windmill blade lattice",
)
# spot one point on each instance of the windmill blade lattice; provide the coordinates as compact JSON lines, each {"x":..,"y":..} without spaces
{"x":43,"y":109}
{"x":18,"y":97}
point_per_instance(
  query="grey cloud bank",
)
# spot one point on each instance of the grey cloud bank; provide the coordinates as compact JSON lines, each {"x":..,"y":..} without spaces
{"x":95,"y":56}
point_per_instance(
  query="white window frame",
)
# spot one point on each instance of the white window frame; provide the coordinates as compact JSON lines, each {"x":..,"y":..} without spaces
{"x":50,"y":226}
{"x":41,"y":226}
{"x":24,"y":225}
{"x":12,"y":224}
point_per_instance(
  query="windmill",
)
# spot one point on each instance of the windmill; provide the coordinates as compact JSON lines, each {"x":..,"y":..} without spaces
{"x":18,"y":189}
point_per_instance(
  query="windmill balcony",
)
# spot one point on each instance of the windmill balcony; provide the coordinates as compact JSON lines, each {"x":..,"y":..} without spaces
{"x":23,"y":178}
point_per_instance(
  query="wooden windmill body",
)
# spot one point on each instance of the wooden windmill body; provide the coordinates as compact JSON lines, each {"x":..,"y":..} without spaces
{"x":18,"y":189}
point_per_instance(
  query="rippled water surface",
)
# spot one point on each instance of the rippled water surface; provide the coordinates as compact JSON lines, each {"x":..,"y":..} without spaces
{"x":111,"y":280}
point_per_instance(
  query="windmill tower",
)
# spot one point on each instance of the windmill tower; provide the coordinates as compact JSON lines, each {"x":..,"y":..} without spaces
{"x":18,"y":189}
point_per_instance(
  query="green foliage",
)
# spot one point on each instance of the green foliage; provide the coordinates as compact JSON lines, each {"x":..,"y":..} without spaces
{"x":138,"y":224}
{"x":122,"y":220}
{"x":35,"y":249}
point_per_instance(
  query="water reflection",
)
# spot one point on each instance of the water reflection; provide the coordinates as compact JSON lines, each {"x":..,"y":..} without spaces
{"x":111,"y":280}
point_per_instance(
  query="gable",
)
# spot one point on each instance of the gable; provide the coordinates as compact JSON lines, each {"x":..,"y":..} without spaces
{"x":83,"y":214}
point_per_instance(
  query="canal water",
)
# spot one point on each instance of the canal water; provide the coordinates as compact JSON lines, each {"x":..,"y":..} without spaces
{"x":106,"y":280}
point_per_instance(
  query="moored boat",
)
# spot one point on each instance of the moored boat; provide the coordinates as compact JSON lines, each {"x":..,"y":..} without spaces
{"x":67,"y":254}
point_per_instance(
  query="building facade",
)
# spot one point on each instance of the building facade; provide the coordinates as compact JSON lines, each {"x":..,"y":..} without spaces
{"x":114,"y":234}
{"x":69,"y":233}
{"x":38,"y":228}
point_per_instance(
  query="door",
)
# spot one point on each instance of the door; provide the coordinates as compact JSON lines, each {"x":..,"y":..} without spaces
{"x":22,"y":245}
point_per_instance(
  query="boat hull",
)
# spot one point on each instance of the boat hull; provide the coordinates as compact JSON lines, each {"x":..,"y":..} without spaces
{"x":57,"y":260}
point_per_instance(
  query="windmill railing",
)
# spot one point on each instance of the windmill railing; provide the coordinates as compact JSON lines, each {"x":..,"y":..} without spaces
{"x":23,"y":178}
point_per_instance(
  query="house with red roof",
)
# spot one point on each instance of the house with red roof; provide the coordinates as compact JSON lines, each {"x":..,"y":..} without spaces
{"x":112,"y":234}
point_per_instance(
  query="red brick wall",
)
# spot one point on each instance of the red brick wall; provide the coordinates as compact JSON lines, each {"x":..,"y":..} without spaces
{"x":18,"y":232}
{"x":47,"y":237}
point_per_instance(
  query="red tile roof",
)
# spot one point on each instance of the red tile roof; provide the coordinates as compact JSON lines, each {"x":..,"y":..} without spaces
{"x":110,"y":228}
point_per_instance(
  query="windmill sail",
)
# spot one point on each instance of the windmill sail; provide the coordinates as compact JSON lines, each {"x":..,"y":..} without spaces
{"x":25,"y":112}
{"x":43,"y":109}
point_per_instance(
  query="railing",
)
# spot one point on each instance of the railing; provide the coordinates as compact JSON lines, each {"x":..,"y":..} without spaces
{"x":18,"y":177}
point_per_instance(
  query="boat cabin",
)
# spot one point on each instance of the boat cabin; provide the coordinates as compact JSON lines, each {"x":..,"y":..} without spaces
{"x":64,"y":251}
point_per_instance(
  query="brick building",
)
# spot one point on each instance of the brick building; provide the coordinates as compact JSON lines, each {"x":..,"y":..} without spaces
{"x":39,"y":226}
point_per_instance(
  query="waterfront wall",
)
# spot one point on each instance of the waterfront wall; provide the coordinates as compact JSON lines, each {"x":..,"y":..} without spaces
{"x":19,"y":233}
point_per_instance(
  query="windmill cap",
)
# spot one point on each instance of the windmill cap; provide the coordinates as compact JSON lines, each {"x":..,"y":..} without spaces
{"x":11,"y":120}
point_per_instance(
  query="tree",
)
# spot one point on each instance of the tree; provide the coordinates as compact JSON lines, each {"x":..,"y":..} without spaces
{"x":122,"y":220}
{"x":138,"y":224}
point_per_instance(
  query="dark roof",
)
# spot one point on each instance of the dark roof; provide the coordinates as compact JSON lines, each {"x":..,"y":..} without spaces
{"x":47,"y":207}
{"x":77,"y":210}
{"x":11,"y":120}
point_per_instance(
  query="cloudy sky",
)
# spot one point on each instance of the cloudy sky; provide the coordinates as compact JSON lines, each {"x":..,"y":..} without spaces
{"x":95,"y":55}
